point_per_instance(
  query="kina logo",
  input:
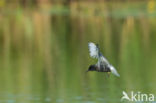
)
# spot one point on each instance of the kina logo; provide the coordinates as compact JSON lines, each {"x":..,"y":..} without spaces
{"x":137,"y":96}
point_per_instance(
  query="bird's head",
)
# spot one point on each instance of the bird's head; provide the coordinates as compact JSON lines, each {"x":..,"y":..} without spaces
{"x":91,"y":68}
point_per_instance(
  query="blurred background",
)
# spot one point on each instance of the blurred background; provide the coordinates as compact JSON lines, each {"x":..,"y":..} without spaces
{"x":44,"y":50}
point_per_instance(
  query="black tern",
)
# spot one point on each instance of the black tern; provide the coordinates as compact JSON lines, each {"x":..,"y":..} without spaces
{"x":102,"y":65}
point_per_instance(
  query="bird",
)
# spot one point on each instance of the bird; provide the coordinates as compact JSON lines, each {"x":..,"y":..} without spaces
{"x":102,"y":64}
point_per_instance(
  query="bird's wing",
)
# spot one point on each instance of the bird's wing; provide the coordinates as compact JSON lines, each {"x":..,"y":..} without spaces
{"x":114,"y":71}
{"x":93,"y":50}
{"x":103,"y":60}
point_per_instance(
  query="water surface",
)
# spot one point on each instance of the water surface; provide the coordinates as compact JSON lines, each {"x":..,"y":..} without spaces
{"x":44,"y":53}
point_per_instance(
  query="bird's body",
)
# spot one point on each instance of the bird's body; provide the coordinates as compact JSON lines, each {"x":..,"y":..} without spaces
{"x":102,"y":65}
{"x":101,"y":69}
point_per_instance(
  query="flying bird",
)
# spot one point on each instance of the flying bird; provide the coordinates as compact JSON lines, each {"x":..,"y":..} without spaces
{"x":102,"y":65}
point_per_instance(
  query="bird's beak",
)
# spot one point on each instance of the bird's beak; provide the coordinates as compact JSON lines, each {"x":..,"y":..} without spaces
{"x":87,"y":71}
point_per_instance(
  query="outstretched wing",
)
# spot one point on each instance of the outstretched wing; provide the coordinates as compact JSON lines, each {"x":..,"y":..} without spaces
{"x":103,"y":60}
{"x":114,"y":71}
{"x":93,"y":50}
{"x":95,"y":53}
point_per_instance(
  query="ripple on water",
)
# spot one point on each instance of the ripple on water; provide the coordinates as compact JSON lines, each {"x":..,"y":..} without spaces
{"x":7,"y":101}
{"x":89,"y":102}
{"x":100,"y":99}
{"x":78,"y":98}
{"x":47,"y":99}
{"x":59,"y":100}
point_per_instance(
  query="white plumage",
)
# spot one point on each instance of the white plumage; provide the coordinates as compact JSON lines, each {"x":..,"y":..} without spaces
{"x":93,"y":50}
{"x":114,"y":71}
